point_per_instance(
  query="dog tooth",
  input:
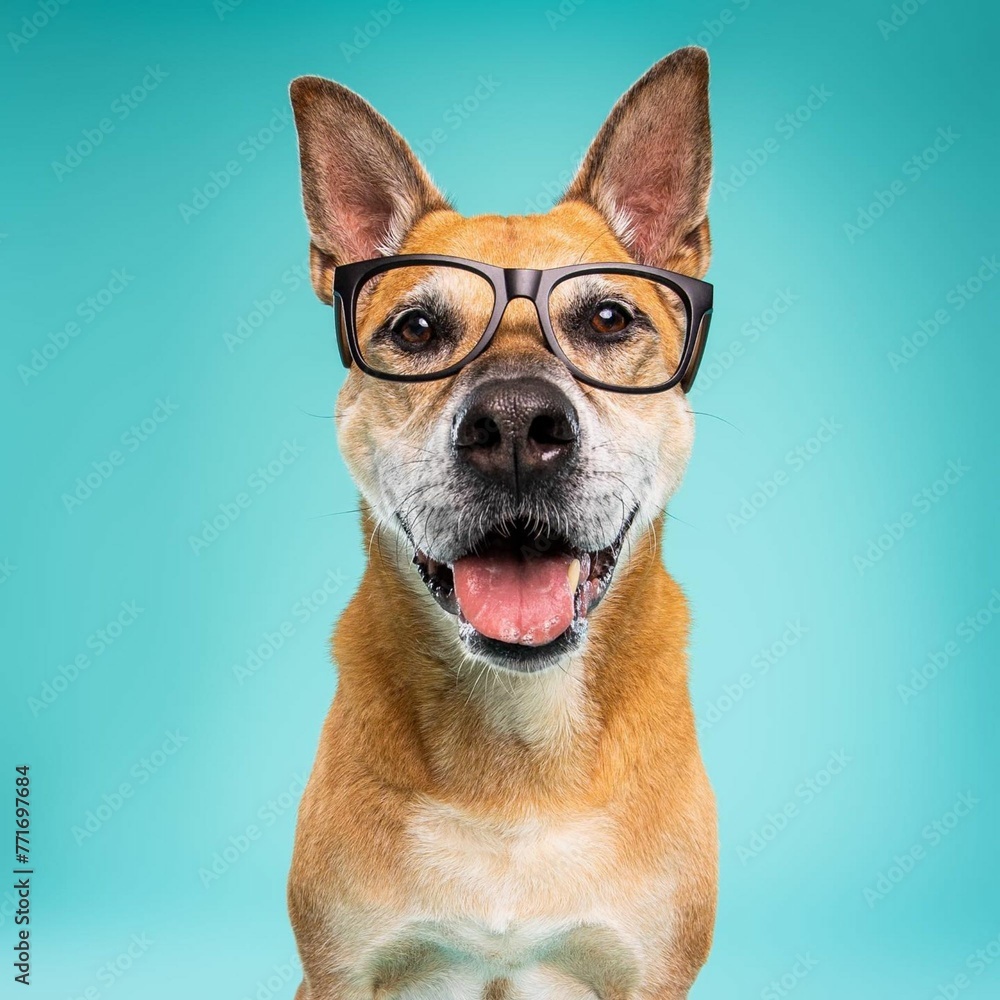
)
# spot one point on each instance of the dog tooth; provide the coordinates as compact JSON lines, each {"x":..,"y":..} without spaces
{"x":573,"y":575}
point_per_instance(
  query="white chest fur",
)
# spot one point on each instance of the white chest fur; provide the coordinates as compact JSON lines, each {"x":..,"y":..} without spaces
{"x":532,"y":903}
{"x":507,"y":871}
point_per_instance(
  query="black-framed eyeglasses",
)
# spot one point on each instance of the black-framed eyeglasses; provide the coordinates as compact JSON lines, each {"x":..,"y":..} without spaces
{"x":418,"y":317}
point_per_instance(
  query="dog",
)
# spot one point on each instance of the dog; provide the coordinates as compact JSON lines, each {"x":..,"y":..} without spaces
{"x":508,"y":800}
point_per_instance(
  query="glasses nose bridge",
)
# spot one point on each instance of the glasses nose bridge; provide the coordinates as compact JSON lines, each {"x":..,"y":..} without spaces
{"x":522,"y":282}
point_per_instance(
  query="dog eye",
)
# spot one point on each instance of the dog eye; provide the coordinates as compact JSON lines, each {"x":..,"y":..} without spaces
{"x":610,"y":317}
{"x":414,"y":329}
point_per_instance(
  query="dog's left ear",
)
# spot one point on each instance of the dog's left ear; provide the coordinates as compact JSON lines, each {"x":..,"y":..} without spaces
{"x":649,"y":170}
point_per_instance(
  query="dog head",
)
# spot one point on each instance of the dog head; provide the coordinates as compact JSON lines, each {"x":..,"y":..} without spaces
{"x":514,"y":487}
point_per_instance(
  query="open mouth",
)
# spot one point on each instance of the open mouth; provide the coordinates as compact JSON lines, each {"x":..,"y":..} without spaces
{"x":522,"y":594}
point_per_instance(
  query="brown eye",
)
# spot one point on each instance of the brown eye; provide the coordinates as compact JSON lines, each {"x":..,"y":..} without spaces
{"x":414,"y":328}
{"x":610,"y":317}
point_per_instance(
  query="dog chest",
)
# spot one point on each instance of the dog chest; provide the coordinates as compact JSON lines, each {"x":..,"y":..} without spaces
{"x":532,"y":901}
{"x":506,"y":870}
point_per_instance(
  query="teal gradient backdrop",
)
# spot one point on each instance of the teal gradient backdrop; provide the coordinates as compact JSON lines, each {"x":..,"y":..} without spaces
{"x":836,"y":533}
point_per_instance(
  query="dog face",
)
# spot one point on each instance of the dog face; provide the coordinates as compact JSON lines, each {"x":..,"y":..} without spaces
{"x":514,"y":488}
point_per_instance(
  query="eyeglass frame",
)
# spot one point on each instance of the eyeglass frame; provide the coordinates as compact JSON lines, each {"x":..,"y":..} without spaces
{"x":536,"y":284}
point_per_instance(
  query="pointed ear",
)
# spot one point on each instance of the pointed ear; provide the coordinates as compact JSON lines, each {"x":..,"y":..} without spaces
{"x":362,"y":186}
{"x":650,"y":167}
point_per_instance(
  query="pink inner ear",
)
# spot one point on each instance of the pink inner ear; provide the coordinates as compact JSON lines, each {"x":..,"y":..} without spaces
{"x":659,"y":202}
{"x":363,"y":221}
{"x":648,"y":226}
{"x":358,"y":206}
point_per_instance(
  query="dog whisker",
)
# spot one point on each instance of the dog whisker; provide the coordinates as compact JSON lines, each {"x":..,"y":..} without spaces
{"x":715,"y":416}
{"x":338,"y":513}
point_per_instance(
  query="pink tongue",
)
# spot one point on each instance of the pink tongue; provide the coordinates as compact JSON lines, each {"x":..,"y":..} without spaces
{"x":525,"y":601}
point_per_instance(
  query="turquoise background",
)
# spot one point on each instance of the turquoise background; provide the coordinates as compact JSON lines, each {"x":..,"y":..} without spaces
{"x":802,"y":639}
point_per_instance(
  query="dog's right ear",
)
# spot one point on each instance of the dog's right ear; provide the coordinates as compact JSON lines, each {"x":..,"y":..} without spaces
{"x":362,"y":186}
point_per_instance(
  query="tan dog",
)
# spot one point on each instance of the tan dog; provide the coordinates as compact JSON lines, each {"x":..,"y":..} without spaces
{"x":508,"y":801}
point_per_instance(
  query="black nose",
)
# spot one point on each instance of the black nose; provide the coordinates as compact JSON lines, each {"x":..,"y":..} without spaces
{"x":516,"y":430}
